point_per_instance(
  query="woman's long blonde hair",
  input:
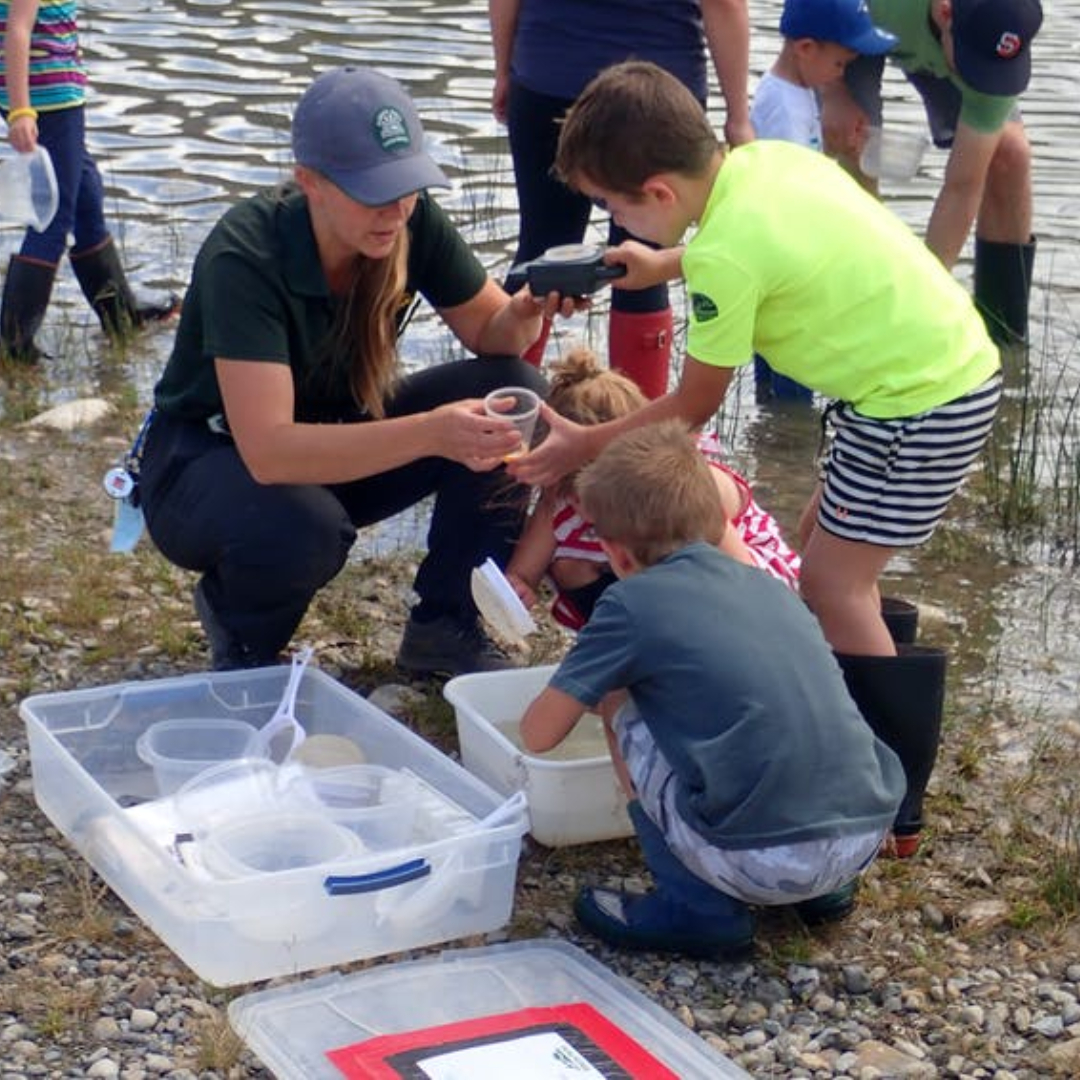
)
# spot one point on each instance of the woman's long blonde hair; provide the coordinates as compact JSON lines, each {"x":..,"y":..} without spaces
{"x":365,"y":331}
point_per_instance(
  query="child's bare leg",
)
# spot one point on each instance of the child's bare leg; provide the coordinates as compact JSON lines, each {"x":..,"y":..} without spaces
{"x":608,"y":708}
{"x":808,"y":517}
{"x":839,"y":583}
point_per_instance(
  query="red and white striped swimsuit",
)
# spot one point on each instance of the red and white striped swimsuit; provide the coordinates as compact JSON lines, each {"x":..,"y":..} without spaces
{"x":757,"y":528}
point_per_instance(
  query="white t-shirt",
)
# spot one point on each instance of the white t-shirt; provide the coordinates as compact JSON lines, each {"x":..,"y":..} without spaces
{"x":785,"y":111}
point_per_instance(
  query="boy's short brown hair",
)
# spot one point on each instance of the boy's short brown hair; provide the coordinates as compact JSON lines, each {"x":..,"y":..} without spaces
{"x":652,"y":491}
{"x":632,"y":122}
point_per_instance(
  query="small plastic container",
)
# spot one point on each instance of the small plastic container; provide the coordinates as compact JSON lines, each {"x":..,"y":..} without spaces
{"x":893,"y":154}
{"x":28,"y":191}
{"x":376,"y":804}
{"x":178,"y":750}
{"x":571,"y":801}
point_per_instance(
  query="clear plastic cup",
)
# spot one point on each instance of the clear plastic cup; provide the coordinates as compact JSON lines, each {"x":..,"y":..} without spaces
{"x":891,"y":154}
{"x":522,"y":410}
{"x":28,"y":192}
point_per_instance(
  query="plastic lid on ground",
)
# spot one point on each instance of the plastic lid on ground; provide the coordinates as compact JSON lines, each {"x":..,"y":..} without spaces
{"x":542,"y":1002}
{"x":499,"y":605}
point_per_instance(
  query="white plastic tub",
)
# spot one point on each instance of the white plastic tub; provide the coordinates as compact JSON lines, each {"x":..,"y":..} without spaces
{"x":450,"y":875}
{"x":572,"y":801}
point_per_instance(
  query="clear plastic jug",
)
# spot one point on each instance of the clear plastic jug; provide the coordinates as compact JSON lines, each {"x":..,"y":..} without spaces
{"x":28,"y":194}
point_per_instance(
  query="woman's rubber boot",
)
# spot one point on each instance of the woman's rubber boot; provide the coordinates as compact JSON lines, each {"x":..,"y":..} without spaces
{"x":902,"y":699}
{"x":104,"y":284}
{"x":639,"y":345}
{"x":534,"y":354}
{"x":901,"y":618}
{"x":683,"y":914}
{"x":1003,"y":288}
{"x":27,"y":288}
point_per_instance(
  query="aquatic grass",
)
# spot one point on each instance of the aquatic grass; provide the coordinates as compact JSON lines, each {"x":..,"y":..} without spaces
{"x":218,"y":1048}
{"x":1061,"y":874}
{"x":1030,"y":475}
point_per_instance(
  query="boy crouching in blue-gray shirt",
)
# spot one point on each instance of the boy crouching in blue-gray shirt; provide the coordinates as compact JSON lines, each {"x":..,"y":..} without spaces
{"x":751,"y":775}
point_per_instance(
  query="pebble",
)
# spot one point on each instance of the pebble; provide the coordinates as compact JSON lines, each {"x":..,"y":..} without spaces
{"x":143,"y":1019}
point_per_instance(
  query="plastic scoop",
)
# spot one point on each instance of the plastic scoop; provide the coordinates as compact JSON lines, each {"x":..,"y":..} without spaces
{"x":284,"y":718}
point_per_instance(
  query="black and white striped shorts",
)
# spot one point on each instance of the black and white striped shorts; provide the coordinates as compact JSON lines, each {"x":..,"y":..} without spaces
{"x":888,"y":482}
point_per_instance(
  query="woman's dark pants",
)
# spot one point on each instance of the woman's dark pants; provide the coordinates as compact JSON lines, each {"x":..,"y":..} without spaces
{"x":265,"y":549}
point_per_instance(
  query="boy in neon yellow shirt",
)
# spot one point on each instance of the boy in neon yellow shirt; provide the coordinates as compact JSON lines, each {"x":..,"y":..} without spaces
{"x":792,"y":259}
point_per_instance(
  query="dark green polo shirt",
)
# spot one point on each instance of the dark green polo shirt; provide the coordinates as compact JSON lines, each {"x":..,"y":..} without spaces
{"x":258,"y":293}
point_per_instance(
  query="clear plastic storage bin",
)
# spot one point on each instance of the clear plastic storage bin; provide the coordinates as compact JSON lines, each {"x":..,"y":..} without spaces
{"x":573,"y":799}
{"x":197,"y":871}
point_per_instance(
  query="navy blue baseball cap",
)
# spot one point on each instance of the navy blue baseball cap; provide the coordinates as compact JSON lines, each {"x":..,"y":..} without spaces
{"x":992,"y":43}
{"x":845,"y":22}
{"x":360,"y":129}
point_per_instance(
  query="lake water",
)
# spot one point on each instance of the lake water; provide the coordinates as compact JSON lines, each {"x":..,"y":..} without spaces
{"x":190,"y":112}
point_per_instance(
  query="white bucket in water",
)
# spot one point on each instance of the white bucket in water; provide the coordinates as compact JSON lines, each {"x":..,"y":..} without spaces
{"x":28,"y":193}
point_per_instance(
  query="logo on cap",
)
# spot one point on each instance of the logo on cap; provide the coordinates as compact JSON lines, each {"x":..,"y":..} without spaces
{"x":1009,"y":44}
{"x":391,"y":129}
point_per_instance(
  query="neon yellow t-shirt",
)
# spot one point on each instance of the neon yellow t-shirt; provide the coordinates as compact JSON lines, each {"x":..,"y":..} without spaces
{"x":793,"y":260}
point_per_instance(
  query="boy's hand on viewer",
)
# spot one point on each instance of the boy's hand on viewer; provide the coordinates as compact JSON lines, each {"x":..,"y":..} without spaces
{"x":645,"y":266}
{"x":564,"y":449}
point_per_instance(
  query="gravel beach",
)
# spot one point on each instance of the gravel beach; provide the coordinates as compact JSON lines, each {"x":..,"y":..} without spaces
{"x":958,"y":963}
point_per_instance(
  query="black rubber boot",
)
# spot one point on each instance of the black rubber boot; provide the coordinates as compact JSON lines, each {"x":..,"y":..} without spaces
{"x":901,"y":618}
{"x":104,"y":284}
{"x":27,"y":289}
{"x":902,"y":698}
{"x":1002,"y":288}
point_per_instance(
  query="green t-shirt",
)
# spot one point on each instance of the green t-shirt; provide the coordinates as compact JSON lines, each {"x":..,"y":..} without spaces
{"x":258,"y":292}
{"x":793,"y":260}
{"x":918,"y":50}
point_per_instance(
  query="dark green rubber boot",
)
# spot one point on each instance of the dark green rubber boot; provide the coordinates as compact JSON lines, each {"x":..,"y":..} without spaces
{"x":27,"y":288}
{"x":104,"y":284}
{"x":902,"y":698}
{"x":1003,"y":288}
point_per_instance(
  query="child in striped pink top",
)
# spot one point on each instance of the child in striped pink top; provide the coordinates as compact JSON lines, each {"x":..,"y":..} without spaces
{"x":42,"y":101}
{"x":560,"y":544}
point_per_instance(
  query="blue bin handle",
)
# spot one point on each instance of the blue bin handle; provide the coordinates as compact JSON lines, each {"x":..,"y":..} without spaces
{"x":348,"y":884}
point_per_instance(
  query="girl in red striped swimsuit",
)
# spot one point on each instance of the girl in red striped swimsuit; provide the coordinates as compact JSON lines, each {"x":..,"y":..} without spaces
{"x":560,"y":544}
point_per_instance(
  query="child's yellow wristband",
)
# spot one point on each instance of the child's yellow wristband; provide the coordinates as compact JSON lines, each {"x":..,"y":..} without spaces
{"x":18,"y":114}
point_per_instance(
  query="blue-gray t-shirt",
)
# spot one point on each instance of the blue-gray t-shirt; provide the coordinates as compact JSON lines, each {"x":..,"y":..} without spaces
{"x":741,"y":692}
